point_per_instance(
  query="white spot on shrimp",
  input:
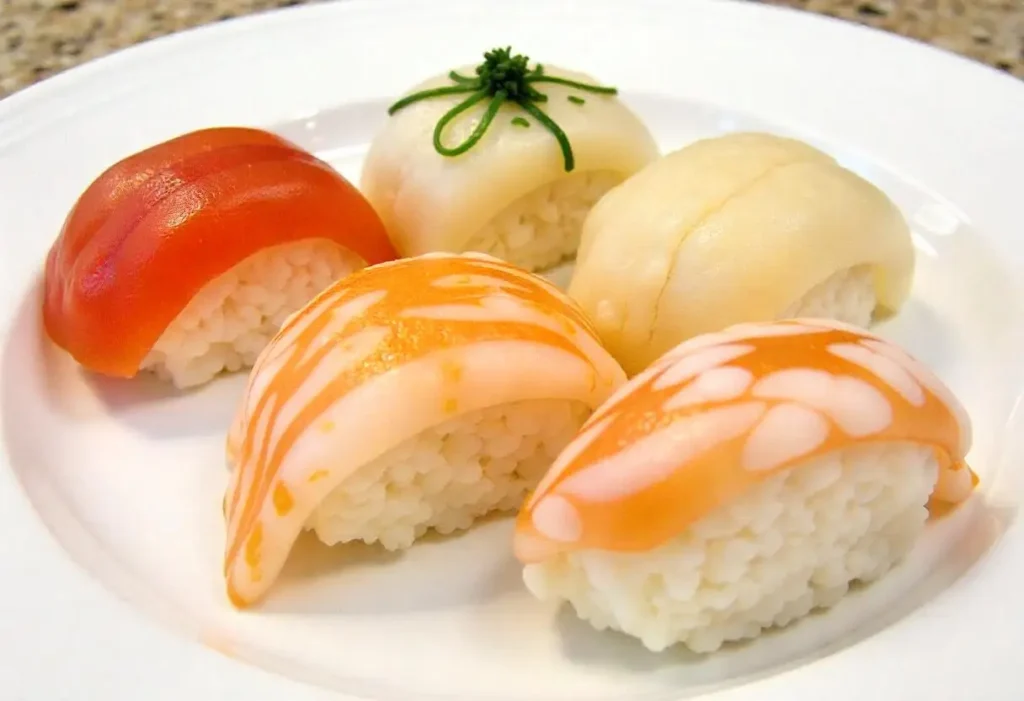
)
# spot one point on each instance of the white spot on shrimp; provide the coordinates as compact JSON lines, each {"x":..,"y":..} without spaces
{"x":441,"y":255}
{"x":508,"y":309}
{"x":470,"y":279}
{"x":787,"y":431}
{"x":342,"y":358}
{"x":835,"y":325}
{"x":689,"y":346}
{"x":618,"y":397}
{"x":751,"y":330}
{"x":495,"y":307}
{"x":340,"y":317}
{"x":736,"y":333}
{"x":715,"y":385}
{"x":531,"y":548}
{"x":557,"y":519}
{"x":741,"y":332}
{"x":692,"y":365}
{"x":858,"y":408}
{"x":930,"y":381}
{"x":567,"y":456}
{"x":886,"y":369}
{"x":655,"y":457}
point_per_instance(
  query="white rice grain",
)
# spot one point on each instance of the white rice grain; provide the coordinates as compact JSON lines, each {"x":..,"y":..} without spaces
{"x":449,"y":475}
{"x":233,"y":317}
{"x":792,"y":544}
{"x":847,"y":296}
{"x":542,"y":228}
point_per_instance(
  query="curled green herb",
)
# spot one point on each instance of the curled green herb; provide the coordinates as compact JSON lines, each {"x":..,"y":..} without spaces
{"x":501,"y":78}
{"x":576,"y":100}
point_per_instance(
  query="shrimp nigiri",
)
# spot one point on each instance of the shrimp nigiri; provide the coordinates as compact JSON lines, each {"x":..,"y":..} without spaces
{"x":744,"y":479}
{"x":414,"y":395}
{"x":185,"y":258}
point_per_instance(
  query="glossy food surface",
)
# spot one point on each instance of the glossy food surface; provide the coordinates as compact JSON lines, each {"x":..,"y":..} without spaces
{"x":111,"y":495}
{"x":376,"y":358}
{"x":721,"y":412}
{"x":151,"y":230}
{"x":726,"y":230}
{"x":431,"y":202}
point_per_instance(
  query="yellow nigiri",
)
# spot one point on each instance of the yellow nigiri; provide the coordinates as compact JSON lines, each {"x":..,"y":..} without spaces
{"x":739,"y":228}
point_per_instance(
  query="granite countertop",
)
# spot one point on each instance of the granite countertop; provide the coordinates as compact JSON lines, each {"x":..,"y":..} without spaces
{"x":42,"y":37}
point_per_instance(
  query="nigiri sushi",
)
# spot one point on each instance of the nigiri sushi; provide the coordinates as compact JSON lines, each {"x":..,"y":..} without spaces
{"x":739,"y":228}
{"x":504,"y":158}
{"x":184,"y":259}
{"x":413,"y":395}
{"x":746,"y":478}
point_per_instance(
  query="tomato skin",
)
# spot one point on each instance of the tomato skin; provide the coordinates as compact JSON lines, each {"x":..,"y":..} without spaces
{"x":154,"y":228}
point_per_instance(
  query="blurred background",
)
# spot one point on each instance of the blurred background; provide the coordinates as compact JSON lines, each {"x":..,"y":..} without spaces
{"x":42,"y":37}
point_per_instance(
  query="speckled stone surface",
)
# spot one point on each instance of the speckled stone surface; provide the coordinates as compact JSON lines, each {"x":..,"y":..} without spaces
{"x":42,"y":37}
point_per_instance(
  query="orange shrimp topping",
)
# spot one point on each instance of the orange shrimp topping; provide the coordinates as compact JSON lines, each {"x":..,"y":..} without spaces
{"x":357,"y":333}
{"x":724,"y":411}
{"x":150,"y":231}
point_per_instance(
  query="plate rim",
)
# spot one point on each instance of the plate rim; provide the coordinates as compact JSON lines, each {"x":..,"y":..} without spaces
{"x":199,"y":669}
{"x":80,"y":71}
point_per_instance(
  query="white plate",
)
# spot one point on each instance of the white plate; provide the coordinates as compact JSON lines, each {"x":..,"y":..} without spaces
{"x":110,"y":492}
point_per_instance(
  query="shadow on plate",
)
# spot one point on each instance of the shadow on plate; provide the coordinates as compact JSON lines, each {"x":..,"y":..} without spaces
{"x":356,"y":579}
{"x":949,"y":557}
{"x":585,"y":645}
{"x":773,"y":652}
{"x":34,"y":366}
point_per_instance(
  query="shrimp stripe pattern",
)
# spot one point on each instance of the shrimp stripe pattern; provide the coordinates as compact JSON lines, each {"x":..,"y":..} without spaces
{"x":723,"y":411}
{"x":427,"y":317}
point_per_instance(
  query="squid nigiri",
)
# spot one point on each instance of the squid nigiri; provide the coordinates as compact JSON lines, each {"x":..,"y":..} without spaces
{"x":184,"y":258}
{"x":739,"y":228}
{"x":506,"y":158}
{"x":746,"y":478}
{"x":414,"y":395}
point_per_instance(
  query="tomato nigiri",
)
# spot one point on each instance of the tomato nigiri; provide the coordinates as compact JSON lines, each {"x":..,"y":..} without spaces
{"x":185,"y":258}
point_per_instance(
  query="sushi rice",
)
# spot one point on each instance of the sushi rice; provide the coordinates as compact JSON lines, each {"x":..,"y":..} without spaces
{"x":745,"y":479}
{"x":233,"y":317}
{"x":792,"y":544}
{"x":846,"y":296}
{"x":542,"y":228}
{"x":449,"y":475}
{"x":412,"y":396}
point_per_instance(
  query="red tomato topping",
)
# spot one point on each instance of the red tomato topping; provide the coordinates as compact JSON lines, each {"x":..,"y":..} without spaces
{"x":154,"y":228}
